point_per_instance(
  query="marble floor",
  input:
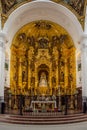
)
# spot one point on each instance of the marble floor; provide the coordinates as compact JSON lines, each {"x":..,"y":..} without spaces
{"x":76,"y":126}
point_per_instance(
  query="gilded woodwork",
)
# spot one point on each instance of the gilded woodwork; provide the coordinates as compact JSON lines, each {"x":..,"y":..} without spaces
{"x":42,"y":46}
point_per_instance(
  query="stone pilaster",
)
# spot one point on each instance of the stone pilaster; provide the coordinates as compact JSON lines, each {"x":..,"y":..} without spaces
{"x":84,"y":71}
{"x":84,"y":65}
{"x":2,"y":65}
{"x":85,"y":26}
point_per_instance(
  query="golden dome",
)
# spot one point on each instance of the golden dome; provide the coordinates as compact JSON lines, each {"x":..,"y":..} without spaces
{"x":42,"y":30}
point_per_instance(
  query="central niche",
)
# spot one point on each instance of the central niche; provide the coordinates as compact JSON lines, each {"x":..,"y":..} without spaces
{"x":42,"y":59}
{"x":43,"y":76}
{"x":43,"y":79}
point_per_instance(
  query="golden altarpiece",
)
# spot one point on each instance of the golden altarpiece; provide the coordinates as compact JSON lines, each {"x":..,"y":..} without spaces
{"x":42,"y":60}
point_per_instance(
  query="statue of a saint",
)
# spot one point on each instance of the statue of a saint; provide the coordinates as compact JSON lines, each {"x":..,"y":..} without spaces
{"x":43,"y":80}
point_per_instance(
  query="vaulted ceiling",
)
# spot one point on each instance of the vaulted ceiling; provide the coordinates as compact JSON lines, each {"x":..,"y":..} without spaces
{"x":76,"y":6}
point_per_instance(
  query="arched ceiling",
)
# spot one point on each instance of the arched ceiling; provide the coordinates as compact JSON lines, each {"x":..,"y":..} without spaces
{"x":75,"y":6}
{"x":43,"y":10}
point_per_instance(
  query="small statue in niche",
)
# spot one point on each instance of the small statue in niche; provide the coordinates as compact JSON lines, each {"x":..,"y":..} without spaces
{"x":70,"y":77}
{"x":24,"y":76}
{"x":32,"y":66}
{"x":62,"y":38}
{"x":53,"y":65}
{"x":62,"y":77}
{"x":32,"y":81}
{"x":55,"y":38}
{"x":31,"y":41}
{"x":53,"y":81}
{"x":22,"y":37}
{"x":43,"y":80}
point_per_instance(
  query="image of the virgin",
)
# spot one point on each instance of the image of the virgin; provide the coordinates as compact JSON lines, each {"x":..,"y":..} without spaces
{"x":43,"y":80}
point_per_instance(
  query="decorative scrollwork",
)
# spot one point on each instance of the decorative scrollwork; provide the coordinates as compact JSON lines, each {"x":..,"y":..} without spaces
{"x":77,"y":5}
{"x":43,"y":25}
{"x":7,"y":5}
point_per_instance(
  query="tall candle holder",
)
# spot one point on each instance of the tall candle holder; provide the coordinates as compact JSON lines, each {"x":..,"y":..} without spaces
{"x":21,"y":102}
{"x":15,"y":105}
{"x":59,"y":97}
{"x":10,"y":96}
{"x":71,"y":101}
{"x":76,"y":100}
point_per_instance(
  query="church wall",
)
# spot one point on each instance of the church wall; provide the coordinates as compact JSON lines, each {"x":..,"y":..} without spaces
{"x":37,"y":11}
{"x":85,"y":25}
{"x":0,"y":16}
{"x":84,"y":59}
{"x":34,"y":13}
